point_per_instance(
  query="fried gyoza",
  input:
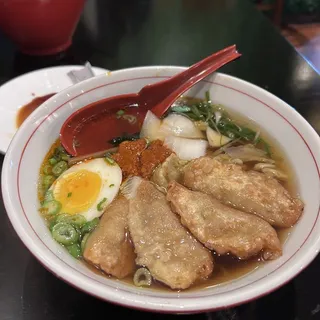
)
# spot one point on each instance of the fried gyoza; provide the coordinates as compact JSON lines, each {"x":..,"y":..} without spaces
{"x":221,"y":228}
{"x":249,"y":191}
{"x":169,"y":170}
{"x":172,"y":255}
{"x":109,"y":246}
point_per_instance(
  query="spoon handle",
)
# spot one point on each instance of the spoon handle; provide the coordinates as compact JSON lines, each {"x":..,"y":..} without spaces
{"x":164,"y":93}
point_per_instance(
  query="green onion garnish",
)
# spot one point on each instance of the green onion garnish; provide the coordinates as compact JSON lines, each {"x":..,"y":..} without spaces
{"x":100,"y":204}
{"x":208,"y":97}
{"x":109,"y":161}
{"x":120,"y":113}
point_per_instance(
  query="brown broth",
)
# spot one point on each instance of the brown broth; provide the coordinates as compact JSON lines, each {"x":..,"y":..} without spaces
{"x":26,"y":110}
{"x":227,"y":268}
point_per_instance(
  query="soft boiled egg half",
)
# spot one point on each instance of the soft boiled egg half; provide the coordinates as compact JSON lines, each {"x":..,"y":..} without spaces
{"x":87,"y":188}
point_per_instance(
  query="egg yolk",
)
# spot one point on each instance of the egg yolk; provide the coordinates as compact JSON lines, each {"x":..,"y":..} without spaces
{"x":77,"y":191}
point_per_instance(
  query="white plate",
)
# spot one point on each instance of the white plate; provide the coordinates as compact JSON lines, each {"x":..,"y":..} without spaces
{"x":19,"y":91}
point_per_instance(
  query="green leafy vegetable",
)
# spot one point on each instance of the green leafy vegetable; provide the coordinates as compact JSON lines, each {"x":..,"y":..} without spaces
{"x":180,"y":109}
{"x":207,"y":112}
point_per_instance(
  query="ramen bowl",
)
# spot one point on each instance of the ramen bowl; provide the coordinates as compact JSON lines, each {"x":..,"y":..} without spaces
{"x":295,"y":137}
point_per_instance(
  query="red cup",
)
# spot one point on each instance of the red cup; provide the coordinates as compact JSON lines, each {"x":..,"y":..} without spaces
{"x":40,"y":27}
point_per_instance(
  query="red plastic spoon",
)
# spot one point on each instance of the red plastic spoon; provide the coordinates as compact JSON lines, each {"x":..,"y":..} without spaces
{"x":90,"y":129}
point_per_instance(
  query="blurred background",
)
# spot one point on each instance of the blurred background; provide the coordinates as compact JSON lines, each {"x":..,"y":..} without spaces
{"x":299,"y":22}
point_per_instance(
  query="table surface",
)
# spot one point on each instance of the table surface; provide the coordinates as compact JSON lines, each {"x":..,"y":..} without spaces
{"x":124,"y":33}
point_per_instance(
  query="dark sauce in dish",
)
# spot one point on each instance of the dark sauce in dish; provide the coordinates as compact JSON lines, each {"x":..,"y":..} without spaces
{"x":26,"y":110}
{"x":84,"y":133}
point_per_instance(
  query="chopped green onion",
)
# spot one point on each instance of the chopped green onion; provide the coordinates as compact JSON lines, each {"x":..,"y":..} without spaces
{"x":61,"y":149}
{"x":65,"y":157}
{"x":49,"y":196}
{"x":65,"y":233}
{"x":142,"y":277}
{"x":57,"y":157}
{"x":120,"y":113}
{"x":131,"y":119}
{"x":76,"y":220}
{"x":51,"y":207}
{"x":59,"y":153}
{"x":47,"y":181}
{"x":75,"y":250}
{"x":84,"y":241}
{"x":208,"y":96}
{"x":100,"y":204}
{"x":59,"y":168}
{"x":69,"y":194}
{"x":90,"y":225}
{"x":109,"y":161}
{"x":53,"y":161}
{"x":52,"y":223}
{"x":196,"y":111}
{"x":47,"y":169}
{"x":180,"y":109}
{"x":111,"y":185}
{"x":62,"y":217}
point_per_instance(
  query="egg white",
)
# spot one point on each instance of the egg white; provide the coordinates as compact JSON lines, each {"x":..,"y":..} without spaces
{"x":111,"y":178}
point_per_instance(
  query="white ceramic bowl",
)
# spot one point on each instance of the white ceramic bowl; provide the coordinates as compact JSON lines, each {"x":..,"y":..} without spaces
{"x":30,"y":144}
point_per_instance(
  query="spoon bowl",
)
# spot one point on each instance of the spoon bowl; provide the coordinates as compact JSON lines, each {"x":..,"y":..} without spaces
{"x":91,"y":122}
